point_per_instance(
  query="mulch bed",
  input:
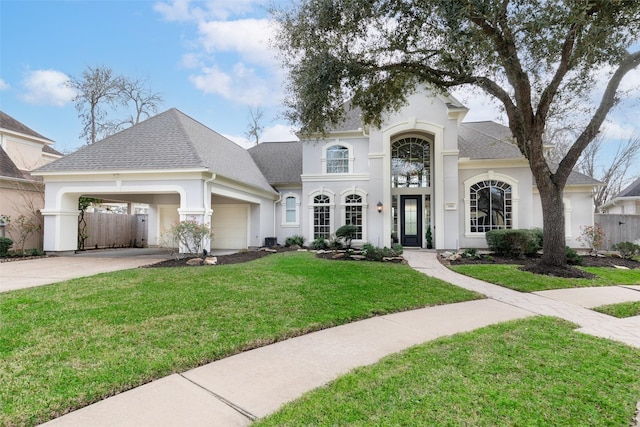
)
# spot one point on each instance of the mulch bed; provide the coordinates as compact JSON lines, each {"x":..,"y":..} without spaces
{"x":532,"y":264}
{"x":236,"y":258}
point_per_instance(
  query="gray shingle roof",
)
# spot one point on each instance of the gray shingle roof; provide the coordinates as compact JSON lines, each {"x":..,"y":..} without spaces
{"x":9,"y":123}
{"x":170,"y":140}
{"x":632,"y":190}
{"x":8,"y":168}
{"x":486,"y":140}
{"x":280,"y":162}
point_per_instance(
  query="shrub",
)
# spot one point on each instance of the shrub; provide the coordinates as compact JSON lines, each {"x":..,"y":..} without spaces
{"x":5,"y":244}
{"x":296,"y":240}
{"x":471,"y":253}
{"x":373,"y":253}
{"x":516,"y":243}
{"x":397,"y":249}
{"x":188,"y":235}
{"x":627,"y":249}
{"x":573,"y":258}
{"x":335,"y":243}
{"x":319,"y":243}
{"x":347,"y":233}
{"x":591,"y":236}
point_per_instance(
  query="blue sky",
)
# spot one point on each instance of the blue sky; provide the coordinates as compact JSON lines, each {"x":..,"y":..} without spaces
{"x":209,"y":59}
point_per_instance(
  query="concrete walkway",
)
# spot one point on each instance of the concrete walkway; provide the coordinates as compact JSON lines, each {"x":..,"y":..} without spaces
{"x":236,"y":390}
{"x":43,"y":271}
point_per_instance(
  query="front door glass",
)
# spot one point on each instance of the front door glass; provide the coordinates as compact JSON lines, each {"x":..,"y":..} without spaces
{"x":411,"y":220}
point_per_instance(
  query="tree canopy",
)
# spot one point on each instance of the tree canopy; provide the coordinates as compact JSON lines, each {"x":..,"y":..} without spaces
{"x":537,"y":58}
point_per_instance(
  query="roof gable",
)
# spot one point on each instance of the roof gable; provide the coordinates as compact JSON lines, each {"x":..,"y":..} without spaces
{"x":11,"y":124}
{"x":168,"y":141}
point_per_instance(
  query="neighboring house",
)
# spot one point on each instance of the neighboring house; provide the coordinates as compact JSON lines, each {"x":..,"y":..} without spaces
{"x":626,"y":202}
{"x":422,"y":169}
{"x":22,"y":150}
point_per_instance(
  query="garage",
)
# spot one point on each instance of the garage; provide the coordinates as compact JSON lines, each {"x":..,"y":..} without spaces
{"x":230,"y":226}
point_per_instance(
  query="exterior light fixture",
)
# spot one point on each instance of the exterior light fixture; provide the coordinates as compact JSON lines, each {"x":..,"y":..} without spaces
{"x":379,"y":206}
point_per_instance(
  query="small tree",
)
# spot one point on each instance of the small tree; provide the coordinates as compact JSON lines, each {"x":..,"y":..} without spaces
{"x":21,"y":228}
{"x":189,"y":235}
{"x":347,"y":233}
{"x":592,"y":236}
{"x":255,"y":126}
{"x":83,"y":204}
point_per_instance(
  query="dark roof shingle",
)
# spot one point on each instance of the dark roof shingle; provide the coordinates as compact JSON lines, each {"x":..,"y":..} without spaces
{"x":9,"y":123}
{"x":280,"y":162}
{"x":168,"y":141}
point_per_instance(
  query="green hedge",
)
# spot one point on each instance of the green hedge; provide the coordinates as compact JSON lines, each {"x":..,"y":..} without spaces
{"x":5,"y":244}
{"x":514,"y":243}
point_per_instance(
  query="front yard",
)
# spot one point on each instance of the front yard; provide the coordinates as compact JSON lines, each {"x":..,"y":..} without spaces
{"x":67,"y":345}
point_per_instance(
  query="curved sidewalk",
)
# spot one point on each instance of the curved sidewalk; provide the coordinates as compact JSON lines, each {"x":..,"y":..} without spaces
{"x":236,"y":390}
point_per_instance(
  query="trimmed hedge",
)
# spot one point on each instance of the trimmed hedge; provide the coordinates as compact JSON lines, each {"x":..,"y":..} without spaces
{"x":5,"y":244}
{"x":514,"y":243}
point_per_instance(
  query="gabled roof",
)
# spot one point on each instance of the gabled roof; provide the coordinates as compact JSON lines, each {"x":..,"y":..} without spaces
{"x":169,"y":141}
{"x":8,"y":169}
{"x":632,"y":190}
{"x":9,"y":123}
{"x":280,"y":162}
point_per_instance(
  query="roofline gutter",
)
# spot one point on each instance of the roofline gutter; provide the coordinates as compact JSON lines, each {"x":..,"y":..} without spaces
{"x":117,"y":171}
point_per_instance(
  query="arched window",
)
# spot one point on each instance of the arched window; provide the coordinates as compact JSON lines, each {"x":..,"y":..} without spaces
{"x":337,"y":159}
{"x":411,"y":163}
{"x":290,"y":210}
{"x":321,"y":216}
{"x":490,"y":205}
{"x":353,"y":213}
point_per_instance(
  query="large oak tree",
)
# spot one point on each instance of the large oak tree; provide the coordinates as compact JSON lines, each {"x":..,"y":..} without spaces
{"x":537,"y":58}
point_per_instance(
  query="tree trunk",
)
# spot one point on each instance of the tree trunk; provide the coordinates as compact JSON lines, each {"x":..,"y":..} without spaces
{"x":554,"y":244}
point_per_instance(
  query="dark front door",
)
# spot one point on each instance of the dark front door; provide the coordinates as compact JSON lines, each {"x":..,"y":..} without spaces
{"x":411,"y":220}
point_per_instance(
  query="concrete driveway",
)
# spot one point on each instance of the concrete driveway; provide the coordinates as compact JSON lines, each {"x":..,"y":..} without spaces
{"x":42,"y":271}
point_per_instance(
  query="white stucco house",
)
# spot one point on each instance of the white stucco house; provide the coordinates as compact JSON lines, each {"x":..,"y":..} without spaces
{"x":424,"y":168}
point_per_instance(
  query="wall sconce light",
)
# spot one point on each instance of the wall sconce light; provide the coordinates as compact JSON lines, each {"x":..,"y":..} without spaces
{"x":379,"y":206}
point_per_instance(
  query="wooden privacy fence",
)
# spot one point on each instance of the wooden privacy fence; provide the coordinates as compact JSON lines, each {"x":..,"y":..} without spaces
{"x":619,"y":228}
{"x":108,"y":230}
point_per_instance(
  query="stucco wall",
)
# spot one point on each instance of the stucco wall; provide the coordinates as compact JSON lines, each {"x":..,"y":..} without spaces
{"x":22,"y":199}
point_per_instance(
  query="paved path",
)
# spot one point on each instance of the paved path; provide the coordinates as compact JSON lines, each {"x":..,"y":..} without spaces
{"x":236,"y":390}
{"x":43,"y":271}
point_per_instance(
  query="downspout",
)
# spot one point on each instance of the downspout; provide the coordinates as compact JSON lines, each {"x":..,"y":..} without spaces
{"x":206,"y":195}
{"x":275,"y":206}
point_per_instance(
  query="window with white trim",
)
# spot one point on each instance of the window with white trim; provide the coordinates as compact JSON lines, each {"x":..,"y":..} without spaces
{"x":353,"y":213}
{"x":321,"y":216}
{"x":290,"y":210}
{"x":490,"y":206}
{"x":337,"y":159}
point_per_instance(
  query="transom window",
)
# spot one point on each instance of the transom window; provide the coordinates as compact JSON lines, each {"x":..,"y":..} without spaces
{"x":321,"y":216}
{"x":353,"y":213}
{"x":490,"y":206}
{"x":337,"y":159}
{"x":411,"y":163}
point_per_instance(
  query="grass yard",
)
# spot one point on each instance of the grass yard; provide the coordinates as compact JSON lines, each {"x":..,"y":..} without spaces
{"x":532,"y":372}
{"x":621,"y":310}
{"x":509,"y":276}
{"x":67,"y":345}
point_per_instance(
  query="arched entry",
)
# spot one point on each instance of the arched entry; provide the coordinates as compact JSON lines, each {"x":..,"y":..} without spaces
{"x":411,"y":177}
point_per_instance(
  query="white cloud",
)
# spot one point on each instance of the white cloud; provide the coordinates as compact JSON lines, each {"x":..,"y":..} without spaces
{"x":187,"y":10}
{"x":249,"y":38}
{"x":241,"y":84}
{"x":47,"y":87}
{"x":279,"y":132}
{"x":4,"y":85}
{"x":613,"y":129}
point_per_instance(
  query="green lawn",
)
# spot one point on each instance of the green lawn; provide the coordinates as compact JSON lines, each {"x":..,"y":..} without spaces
{"x":510,"y":277}
{"x":66,"y":345}
{"x":532,"y":372}
{"x":621,"y":310}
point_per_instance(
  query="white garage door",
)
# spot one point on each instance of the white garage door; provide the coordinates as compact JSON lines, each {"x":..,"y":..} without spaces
{"x":229,"y":224}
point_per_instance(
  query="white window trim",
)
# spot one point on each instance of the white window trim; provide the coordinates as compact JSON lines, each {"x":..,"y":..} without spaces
{"x":323,"y":159}
{"x":489,"y":176}
{"x":332,"y":208}
{"x":365,"y":206}
{"x":283,"y":204}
